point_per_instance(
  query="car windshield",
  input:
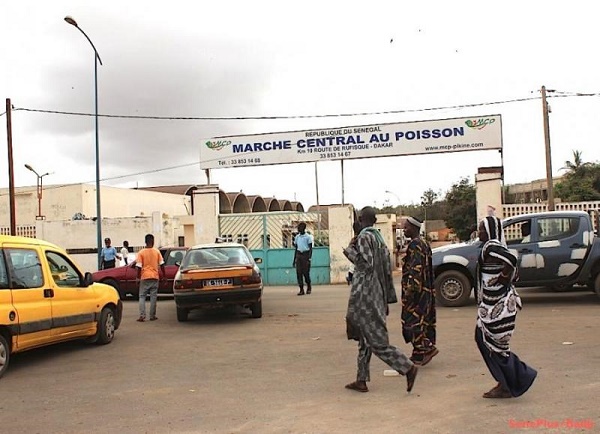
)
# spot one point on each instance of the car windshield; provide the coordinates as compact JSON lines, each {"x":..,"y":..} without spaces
{"x":214,"y":257}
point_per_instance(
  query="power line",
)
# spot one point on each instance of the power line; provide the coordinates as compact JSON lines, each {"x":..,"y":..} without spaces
{"x":330,"y":115}
{"x":238,"y":118}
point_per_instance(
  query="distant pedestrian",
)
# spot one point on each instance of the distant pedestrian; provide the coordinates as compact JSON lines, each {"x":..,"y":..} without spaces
{"x":418,"y":296}
{"x":125,"y":252}
{"x":498,"y":304}
{"x":108,"y":255}
{"x":148,"y":262}
{"x":303,"y":245}
{"x":372,"y":291}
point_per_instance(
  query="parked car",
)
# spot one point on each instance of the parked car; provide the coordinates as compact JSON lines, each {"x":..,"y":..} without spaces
{"x":217,"y":275}
{"x":556,"y":249}
{"x":123,"y":279}
{"x":45,"y":299}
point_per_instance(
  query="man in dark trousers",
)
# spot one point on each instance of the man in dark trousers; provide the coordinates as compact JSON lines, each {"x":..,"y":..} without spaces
{"x":108,"y":255}
{"x":303,"y":244}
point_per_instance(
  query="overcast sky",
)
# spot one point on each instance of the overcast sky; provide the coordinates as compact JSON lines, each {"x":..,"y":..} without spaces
{"x":260,"y":58}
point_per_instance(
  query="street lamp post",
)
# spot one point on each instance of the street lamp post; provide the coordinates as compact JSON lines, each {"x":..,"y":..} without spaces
{"x":39,"y":190}
{"x":397,"y":198}
{"x":97,"y":59}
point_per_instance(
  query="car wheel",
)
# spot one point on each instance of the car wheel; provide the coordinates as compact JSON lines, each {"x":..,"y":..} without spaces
{"x":182,"y":314}
{"x":256,"y":309}
{"x":115,"y":284}
{"x":453,"y":288}
{"x":4,"y":354}
{"x":106,"y":326}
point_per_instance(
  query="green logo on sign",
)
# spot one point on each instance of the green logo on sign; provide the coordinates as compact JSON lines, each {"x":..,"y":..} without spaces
{"x":217,"y":145}
{"x":480,"y":123}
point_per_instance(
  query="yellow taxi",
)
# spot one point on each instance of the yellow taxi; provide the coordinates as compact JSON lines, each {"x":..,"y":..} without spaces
{"x":45,"y":299}
{"x":218,"y":274}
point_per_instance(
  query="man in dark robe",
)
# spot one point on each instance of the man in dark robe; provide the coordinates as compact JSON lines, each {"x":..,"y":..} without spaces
{"x":418,"y":296}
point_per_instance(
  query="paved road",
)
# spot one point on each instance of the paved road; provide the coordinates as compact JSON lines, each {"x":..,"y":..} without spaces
{"x":225,"y":372}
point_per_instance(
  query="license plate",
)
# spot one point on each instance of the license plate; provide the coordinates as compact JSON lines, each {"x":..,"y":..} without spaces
{"x":217,"y":282}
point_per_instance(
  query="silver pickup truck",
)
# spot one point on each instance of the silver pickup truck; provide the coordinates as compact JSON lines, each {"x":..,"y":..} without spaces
{"x":556,"y":249}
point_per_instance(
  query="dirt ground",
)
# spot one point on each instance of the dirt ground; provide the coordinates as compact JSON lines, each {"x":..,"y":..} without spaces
{"x":285,"y":373}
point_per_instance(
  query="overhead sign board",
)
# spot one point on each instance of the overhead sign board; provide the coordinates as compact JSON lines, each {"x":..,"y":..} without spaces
{"x":377,"y":140}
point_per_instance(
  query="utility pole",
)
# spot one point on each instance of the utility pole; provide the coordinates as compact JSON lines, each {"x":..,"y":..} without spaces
{"x":550,"y":186}
{"x":11,"y":172}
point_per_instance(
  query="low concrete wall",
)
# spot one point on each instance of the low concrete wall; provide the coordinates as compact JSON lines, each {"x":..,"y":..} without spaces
{"x":81,"y":234}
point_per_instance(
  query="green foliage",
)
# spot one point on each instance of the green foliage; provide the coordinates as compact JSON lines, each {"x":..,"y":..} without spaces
{"x":581,"y":182}
{"x":429,"y":196}
{"x":461,"y":208}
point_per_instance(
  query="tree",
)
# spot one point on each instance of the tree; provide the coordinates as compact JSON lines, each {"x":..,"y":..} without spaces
{"x":581,"y":182}
{"x":576,"y":164}
{"x":461,"y":208}
{"x":428,"y":197}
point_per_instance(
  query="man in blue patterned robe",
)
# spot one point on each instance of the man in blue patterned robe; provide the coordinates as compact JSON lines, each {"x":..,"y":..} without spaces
{"x":372,"y":291}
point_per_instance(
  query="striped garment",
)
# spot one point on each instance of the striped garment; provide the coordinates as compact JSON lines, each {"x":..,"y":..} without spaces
{"x":497,"y":303}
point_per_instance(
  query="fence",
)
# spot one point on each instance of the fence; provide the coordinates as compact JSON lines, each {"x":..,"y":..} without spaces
{"x":530,"y":208}
{"x":21,"y":231}
{"x":269,"y":237}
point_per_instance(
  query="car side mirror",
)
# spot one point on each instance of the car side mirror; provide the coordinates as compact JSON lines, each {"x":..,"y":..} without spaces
{"x":87,"y":279}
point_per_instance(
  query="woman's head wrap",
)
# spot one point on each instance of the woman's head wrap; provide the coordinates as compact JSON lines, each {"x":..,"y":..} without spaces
{"x":493,"y":228}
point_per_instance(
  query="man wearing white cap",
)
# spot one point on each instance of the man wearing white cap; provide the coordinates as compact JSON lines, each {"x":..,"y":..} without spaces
{"x":418,"y":296}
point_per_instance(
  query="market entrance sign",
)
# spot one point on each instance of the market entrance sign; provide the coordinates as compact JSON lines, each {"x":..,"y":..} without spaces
{"x":378,"y":140}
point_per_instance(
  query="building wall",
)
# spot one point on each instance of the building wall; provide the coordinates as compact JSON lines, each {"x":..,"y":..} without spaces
{"x":385,"y":224}
{"x":488,"y":186}
{"x":340,"y":234}
{"x":79,"y":236}
{"x":206,"y":214}
{"x":63,"y":202}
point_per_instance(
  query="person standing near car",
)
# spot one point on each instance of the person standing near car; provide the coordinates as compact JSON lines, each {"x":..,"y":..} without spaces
{"x":303,"y":243}
{"x":148,"y":262}
{"x":125,"y":252}
{"x":108,"y":255}
{"x":418,"y":296}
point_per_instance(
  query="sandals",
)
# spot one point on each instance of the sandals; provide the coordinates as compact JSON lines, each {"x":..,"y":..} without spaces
{"x":359,"y":387}
{"x":141,"y":319}
{"x":411,"y":376}
{"x":428,"y":356}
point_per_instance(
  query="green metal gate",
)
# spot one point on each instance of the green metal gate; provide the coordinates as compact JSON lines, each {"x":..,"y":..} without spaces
{"x":269,"y":237}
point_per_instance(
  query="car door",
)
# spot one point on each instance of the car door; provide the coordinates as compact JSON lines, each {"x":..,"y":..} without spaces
{"x":521,"y":240}
{"x":7,"y":313}
{"x":129,"y":279}
{"x":73,"y":307}
{"x":562,"y":245}
{"x":31,"y":296}
{"x":172,"y":260}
